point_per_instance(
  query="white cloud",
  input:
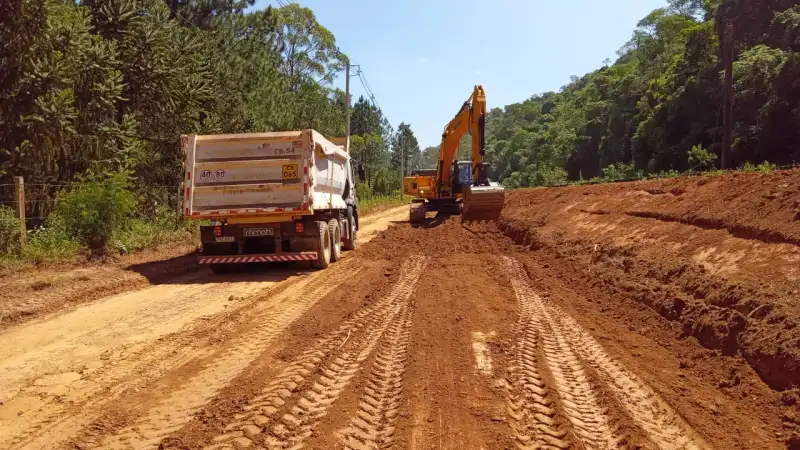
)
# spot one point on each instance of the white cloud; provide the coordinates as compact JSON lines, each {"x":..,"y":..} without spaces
{"x":478,"y":72}
{"x":422,"y":60}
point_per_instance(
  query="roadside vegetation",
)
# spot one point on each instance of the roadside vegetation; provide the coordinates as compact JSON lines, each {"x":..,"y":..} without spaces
{"x":98,"y":216}
{"x":95,"y":95}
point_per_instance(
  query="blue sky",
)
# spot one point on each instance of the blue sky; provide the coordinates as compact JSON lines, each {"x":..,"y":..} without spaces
{"x":422,"y":58}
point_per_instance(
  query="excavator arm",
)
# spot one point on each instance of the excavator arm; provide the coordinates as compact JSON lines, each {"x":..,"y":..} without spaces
{"x":470,"y":118}
{"x":442,"y":191}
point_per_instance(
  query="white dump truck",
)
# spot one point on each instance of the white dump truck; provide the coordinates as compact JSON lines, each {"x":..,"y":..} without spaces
{"x":279,"y":196}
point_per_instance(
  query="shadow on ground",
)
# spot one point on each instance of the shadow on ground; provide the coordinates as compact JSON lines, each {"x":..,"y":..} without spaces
{"x":170,"y":271}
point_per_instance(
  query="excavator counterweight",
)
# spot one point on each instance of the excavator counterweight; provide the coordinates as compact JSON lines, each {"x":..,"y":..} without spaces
{"x":458,"y":186}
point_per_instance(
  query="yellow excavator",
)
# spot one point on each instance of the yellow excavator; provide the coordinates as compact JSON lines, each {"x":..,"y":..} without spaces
{"x":458,"y":187}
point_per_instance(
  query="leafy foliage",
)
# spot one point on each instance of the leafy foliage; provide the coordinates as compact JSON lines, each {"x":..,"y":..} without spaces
{"x":406,"y":148}
{"x":9,"y":230}
{"x":106,"y":85}
{"x":701,"y":159}
{"x":93,"y":209}
{"x":656,"y":109}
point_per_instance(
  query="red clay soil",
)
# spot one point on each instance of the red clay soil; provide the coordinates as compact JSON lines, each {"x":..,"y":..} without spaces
{"x":373,"y":364}
{"x":716,"y":256}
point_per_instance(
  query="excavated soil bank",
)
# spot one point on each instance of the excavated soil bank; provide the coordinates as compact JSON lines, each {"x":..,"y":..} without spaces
{"x":720,"y":256}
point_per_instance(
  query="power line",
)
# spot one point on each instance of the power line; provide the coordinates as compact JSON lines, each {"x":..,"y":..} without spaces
{"x":365,"y":84}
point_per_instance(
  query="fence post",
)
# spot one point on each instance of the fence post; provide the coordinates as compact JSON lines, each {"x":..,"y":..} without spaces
{"x":180,"y":204}
{"x":19,"y":194}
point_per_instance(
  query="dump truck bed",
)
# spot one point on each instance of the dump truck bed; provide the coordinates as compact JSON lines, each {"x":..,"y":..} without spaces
{"x":262,"y":174}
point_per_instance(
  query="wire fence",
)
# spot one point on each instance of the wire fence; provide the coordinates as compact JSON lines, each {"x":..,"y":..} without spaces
{"x":42,"y":198}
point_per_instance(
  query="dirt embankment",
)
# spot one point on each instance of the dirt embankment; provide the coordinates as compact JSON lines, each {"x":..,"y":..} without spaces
{"x":719,"y":256}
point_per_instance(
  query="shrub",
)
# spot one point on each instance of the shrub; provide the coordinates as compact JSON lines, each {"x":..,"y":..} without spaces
{"x":138,"y":234}
{"x":667,"y":174}
{"x":547,"y":175}
{"x":94,"y":208}
{"x":621,"y":171}
{"x":701,"y":159}
{"x":748,"y":167}
{"x":767,"y":166}
{"x":51,"y":242}
{"x":9,"y":231}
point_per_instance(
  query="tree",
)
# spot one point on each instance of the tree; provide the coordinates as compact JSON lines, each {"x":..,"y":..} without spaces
{"x":405,"y":147}
{"x":365,"y":118}
{"x":429,"y":157}
{"x":657,"y":108}
{"x":110,"y":85}
{"x":309,"y":50}
{"x":202,"y":12}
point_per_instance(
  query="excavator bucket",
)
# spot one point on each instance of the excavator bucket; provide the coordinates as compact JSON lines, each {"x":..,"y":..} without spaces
{"x":483,"y":202}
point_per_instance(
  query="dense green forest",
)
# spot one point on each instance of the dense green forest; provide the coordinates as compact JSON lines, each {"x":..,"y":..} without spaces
{"x":657,"y":108}
{"x":95,"y":94}
{"x":103,"y":85}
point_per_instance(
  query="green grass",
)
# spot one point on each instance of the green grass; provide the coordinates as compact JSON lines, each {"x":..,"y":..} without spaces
{"x":378,"y":202}
{"x":53,"y":246}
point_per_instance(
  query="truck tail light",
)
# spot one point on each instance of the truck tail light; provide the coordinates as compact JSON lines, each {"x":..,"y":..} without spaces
{"x":298,"y":227}
{"x":217,"y":231}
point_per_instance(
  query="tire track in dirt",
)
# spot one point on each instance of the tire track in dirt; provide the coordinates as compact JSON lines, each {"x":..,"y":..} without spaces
{"x":129,"y":368}
{"x":284,"y":415}
{"x":565,"y":341}
{"x":590,"y":423}
{"x":374,"y":425}
{"x":532,"y":412}
{"x":180,"y":405}
{"x":661,"y":423}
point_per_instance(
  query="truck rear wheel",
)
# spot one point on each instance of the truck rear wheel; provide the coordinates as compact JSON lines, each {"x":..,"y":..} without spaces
{"x":336,"y":239}
{"x":351,"y":243}
{"x":219,"y":268}
{"x":323,"y":247}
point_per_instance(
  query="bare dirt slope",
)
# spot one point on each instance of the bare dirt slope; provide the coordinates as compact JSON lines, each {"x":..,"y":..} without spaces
{"x":717,"y":256}
{"x":559,"y":327}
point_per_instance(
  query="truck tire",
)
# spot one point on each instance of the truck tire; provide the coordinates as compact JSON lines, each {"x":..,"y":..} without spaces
{"x":219,"y":268}
{"x":351,"y":243}
{"x":323,"y":247}
{"x":336,"y":239}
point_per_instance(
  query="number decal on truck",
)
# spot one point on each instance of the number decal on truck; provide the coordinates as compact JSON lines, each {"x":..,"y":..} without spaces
{"x":207,"y":175}
{"x":289,"y":171}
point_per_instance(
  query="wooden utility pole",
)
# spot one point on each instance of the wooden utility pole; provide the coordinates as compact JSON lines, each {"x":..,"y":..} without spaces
{"x":19,"y":194}
{"x":347,"y":107}
{"x":727,"y":96}
{"x":402,"y":164}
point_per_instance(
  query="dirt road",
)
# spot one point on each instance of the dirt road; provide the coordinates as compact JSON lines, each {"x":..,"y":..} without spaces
{"x":530,"y":333}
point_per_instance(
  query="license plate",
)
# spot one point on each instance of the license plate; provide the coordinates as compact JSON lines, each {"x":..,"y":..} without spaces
{"x":256,"y":232}
{"x":289,"y":171}
{"x":225,"y":238}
